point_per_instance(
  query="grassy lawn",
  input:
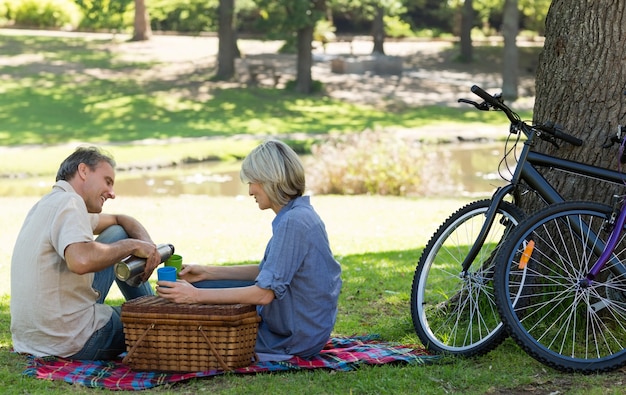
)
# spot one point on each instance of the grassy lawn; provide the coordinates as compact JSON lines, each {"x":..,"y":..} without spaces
{"x":74,"y":90}
{"x":377,"y":240}
{"x":55,"y":93}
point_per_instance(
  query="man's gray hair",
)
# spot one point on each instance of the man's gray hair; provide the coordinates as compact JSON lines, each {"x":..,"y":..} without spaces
{"x":91,"y":156}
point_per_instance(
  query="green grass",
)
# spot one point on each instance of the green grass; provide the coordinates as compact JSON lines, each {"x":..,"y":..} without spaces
{"x":60,"y":90}
{"x":68,"y":91}
{"x":377,"y":240}
{"x":54,"y":109}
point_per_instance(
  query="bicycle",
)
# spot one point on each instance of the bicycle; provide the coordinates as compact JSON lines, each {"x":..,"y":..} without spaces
{"x":560,"y":285}
{"x":452,"y":299}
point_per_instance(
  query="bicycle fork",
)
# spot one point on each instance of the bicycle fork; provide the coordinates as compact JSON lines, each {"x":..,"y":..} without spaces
{"x":490,"y":215}
{"x":617,"y":220}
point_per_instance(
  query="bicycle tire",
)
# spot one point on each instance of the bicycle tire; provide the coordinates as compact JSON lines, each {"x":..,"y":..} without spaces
{"x":453,"y":314}
{"x":546,"y":304}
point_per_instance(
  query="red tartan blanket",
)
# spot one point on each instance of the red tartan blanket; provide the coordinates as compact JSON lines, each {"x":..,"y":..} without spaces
{"x":341,"y":354}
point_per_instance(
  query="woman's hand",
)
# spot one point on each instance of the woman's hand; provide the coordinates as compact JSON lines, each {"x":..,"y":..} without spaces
{"x":178,"y":292}
{"x":193,"y":273}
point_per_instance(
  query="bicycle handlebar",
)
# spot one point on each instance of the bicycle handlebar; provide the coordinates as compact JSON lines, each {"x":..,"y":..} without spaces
{"x":557,"y":132}
{"x":495,"y":102}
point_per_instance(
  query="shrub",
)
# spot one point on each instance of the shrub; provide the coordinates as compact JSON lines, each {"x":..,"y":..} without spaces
{"x":5,"y":13}
{"x":369,"y":163}
{"x":187,"y":16}
{"x":382,"y":163}
{"x":43,"y":13}
{"x":324,"y":32}
{"x":107,"y":14}
{"x":396,"y":27}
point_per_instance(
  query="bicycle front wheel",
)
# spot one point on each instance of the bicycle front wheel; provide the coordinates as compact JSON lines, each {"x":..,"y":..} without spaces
{"x":454,"y":311}
{"x":547,"y":303}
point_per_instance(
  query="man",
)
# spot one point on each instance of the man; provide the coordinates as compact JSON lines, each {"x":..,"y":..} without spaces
{"x":60,"y":276}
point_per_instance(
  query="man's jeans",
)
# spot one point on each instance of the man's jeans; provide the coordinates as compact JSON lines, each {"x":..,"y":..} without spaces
{"x":104,"y":279}
{"x":108,"y":342}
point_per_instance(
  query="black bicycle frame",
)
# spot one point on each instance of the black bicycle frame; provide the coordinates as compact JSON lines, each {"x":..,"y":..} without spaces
{"x":527,"y":171}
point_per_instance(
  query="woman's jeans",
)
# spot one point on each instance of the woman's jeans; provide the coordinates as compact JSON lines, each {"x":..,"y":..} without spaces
{"x":222,"y":283}
{"x":108,"y":342}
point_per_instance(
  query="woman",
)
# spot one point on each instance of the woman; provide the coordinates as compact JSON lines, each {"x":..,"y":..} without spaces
{"x":296,"y":286}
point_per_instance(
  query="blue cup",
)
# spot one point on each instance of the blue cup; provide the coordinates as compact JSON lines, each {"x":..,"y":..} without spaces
{"x":167,"y":273}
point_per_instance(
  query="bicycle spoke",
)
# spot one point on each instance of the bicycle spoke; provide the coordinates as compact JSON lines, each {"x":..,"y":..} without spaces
{"x":561,"y":317}
{"x":454,"y":310}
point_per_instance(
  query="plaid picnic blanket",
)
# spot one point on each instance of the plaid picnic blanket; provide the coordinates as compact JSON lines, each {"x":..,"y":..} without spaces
{"x":342,"y":354}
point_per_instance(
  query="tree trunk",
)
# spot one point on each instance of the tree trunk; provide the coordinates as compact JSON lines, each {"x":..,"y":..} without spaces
{"x":378,"y":31}
{"x":304,"y":80}
{"x":467,"y":22}
{"x":580,"y":83}
{"x":227,"y":47}
{"x":142,"y":30}
{"x":511,"y":58}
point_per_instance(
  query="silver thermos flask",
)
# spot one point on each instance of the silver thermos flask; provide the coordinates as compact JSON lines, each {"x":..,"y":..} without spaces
{"x":131,"y":268}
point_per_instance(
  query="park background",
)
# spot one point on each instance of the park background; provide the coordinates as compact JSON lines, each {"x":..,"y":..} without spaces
{"x":155,"y":106}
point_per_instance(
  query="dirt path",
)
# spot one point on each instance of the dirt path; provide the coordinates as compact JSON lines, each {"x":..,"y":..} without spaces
{"x":431,"y":75}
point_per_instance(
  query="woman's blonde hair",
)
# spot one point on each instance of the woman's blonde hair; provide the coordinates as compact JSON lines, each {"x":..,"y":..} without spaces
{"x":278,"y":169}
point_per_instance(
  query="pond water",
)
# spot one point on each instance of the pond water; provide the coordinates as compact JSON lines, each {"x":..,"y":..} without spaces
{"x":468,"y":170}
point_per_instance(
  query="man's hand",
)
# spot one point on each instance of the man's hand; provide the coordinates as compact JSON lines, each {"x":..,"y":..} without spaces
{"x":151,"y":253}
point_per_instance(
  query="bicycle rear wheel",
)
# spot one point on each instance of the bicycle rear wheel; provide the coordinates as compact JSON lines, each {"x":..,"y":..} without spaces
{"x":547,"y":305}
{"x":452,"y":312}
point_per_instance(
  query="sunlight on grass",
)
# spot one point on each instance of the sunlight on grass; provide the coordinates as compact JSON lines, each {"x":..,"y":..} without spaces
{"x":171,"y":103}
{"x":52,"y":107}
{"x":116,"y":107}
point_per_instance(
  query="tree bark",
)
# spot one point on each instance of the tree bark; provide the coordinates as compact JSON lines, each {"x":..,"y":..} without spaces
{"x":580,"y":85}
{"x":510,"y":62}
{"x":227,"y":46}
{"x":378,"y":31}
{"x":467,"y":21}
{"x":304,"y":80}
{"x":142,"y":29}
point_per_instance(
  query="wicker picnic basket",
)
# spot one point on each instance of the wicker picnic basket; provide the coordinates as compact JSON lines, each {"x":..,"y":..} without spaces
{"x":170,"y":337}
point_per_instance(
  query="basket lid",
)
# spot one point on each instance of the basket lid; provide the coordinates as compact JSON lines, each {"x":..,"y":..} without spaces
{"x":155,"y":304}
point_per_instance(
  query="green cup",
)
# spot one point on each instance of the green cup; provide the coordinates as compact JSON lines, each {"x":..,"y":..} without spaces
{"x":175,"y":261}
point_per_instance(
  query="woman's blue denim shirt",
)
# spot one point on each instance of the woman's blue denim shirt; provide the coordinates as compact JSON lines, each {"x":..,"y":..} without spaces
{"x":299,"y":267}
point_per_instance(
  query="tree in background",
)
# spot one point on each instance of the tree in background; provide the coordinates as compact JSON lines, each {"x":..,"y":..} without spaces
{"x":510,"y":74}
{"x":184,"y":16}
{"x":467,"y":23}
{"x":373,"y":11}
{"x":295,"y":21}
{"x":227,"y":47}
{"x":316,"y":11}
{"x":142,"y":30}
{"x":580,"y":84}
{"x":378,"y":29}
{"x":534,"y":12}
{"x":431,"y":17}
{"x":504,"y":16}
{"x":104,"y":14}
